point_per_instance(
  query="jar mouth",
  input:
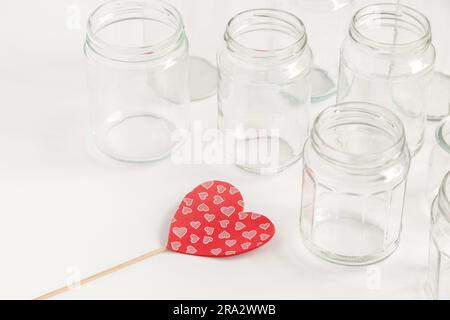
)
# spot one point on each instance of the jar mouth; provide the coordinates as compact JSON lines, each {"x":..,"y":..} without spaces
{"x":391,"y":28}
{"x":443,"y":135}
{"x":266,"y":34}
{"x":358,"y":135}
{"x":134,"y":30}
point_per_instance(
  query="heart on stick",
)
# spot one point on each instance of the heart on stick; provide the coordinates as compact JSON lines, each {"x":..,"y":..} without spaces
{"x":210,"y":221}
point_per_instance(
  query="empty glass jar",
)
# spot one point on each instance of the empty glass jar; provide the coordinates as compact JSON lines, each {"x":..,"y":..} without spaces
{"x":388,"y":59}
{"x":137,"y":56}
{"x":439,"y":160}
{"x":356,"y":164}
{"x":264,"y":89}
{"x":439,"y":263}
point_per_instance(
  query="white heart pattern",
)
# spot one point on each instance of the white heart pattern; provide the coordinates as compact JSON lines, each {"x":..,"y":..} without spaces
{"x":191,"y":250}
{"x":221,"y":189}
{"x":188,"y":201}
{"x":265,"y":226}
{"x":224,"y":223}
{"x":216,"y":252}
{"x":207,"y":240}
{"x":255,"y":216}
{"x":209,"y":231}
{"x":264,"y":237}
{"x":228,"y":211}
{"x":209,"y":217}
{"x":175,"y":245}
{"x":194,"y":238}
{"x":186,"y":210}
{"x":207,"y":184}
{"x":203,"y":207}
{"x":239,"y":226}
{"x":218,"y":199}
{"x":196,"y":224}
{"x":231,"y":243}
{"x":203,"y":195}
{"x":180,"y":232}
{"x":243,"y":215}
{"x":249,"y":234}
{"x":224,"y":235}
{"x":233,"y":190}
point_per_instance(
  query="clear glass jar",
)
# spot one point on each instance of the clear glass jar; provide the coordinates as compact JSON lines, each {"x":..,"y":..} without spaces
{"x":438,"y":12}
{"x":264,"y":89}
{"x":439,"y":159}
{"x":388,"y":59}
{"x":439,"y":261}
{"x":137,"y":63}
{"x":356,"y":164}
{"x":327,"y":24}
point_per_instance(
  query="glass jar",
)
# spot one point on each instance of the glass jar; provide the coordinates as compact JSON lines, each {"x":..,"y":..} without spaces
{"x":327,"y":24}
{"x":137,"y":63}
{"x":356,"y":164}
{"x":438,"y":12}
{"x":388,"y":59}
{"x":264,"y":89}
{"x":439,"y":160}
{"x":439,"y":261}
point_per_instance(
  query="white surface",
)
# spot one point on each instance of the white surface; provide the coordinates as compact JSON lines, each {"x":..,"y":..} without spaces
{"x":64,"y":205}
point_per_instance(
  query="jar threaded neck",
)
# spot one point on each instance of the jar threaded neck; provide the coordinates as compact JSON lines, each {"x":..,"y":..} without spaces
{"x":359,"y":136}
{"x":391,"y":29}
{"x":263,"y":24}
{"x":106,"y":43}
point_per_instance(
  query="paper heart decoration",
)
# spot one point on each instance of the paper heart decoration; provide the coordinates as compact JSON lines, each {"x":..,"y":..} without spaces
{"x":211,"y":222}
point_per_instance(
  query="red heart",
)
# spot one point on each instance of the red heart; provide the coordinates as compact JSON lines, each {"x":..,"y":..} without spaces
{"x":211,"y":221}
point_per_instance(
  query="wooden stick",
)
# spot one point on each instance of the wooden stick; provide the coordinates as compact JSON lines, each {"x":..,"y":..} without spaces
{"x":102,"y":274}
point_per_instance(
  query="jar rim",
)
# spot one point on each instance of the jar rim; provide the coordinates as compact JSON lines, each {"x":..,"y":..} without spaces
{"x":141,"y":53}
{"x":395,"y":12}
{"x":281,"y":16}
{"x":367,"y":160}
{"x":443,"y":134}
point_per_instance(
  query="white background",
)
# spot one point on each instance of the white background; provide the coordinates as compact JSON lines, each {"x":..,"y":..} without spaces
{"x":64,"y":206}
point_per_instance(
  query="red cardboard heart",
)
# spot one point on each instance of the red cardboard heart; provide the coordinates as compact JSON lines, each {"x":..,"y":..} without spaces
{"x":211,"y":221}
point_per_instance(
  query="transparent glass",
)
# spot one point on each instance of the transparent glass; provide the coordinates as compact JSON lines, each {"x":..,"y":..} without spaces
{"x":388,"y":59}
{"x":264,"y":89}
{"x":439,"y":260}
{"x":327,"y":24}
{"x":203,"y":42}
{"x":439,"y":159}
{"x":137,"y":64}
{"x":356,"y":164}
{"x":438,"y":12}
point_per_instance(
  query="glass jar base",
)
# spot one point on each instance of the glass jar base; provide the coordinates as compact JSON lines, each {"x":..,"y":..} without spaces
{"x":337,"y":242}
{"x":139,"y":138}
{"x":439,"y":106}
{"x":265,"y":155}
{"x":323,"y":86}
{"x":202,"y":78}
